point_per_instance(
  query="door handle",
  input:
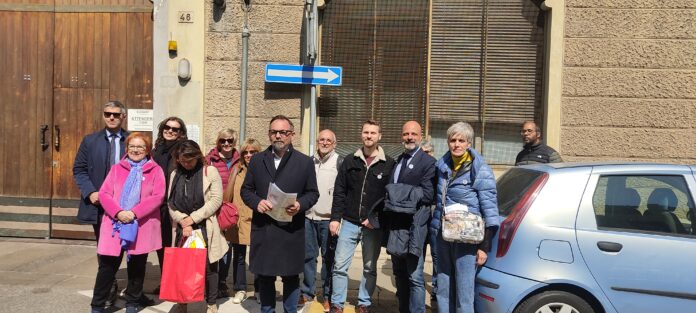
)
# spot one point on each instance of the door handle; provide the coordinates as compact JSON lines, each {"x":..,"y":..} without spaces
{"x":43,"y":129}
{"x":607,"y":246}
{"x":56,"y":142}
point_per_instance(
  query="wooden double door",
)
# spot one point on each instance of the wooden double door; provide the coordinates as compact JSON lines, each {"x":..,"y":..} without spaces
{"x":60,"y":68}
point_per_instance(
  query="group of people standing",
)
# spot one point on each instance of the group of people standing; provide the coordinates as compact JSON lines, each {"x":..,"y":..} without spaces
{"x":135,"y":195}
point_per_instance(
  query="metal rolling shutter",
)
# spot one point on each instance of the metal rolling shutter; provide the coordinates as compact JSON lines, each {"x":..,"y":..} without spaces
{"x":486,"y":61}
{"x":382,"y":46}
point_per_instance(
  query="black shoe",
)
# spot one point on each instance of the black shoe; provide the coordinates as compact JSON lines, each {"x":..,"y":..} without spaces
{"x":145,"y":301}
{"x":223,"y":291}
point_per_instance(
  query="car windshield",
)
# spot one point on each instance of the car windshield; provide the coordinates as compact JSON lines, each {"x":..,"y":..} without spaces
{"x":512,"y":186}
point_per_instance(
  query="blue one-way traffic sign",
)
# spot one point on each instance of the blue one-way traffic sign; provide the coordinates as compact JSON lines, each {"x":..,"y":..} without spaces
{"x":304,"y":74}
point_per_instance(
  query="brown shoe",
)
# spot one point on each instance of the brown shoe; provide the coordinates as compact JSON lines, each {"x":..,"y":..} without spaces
{"x":326,"y":305}
{"x":303,"y":300}
{"x":336,"y":309}
{"x":362,"y":309}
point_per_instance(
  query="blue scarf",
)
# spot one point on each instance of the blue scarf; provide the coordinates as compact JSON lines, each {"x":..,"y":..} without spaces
{"x":130,"y":196}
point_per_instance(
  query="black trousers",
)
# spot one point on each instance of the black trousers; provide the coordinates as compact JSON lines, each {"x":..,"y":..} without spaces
{"x":166,"y":221}
{"x":106,"y":275}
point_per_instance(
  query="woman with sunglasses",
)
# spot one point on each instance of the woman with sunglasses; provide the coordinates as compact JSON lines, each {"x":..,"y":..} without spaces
{"x":172,"y":130}
{"x":194,"y":196}
{"x":131,"y":196}
{"x":240,"y":234}
{"x":224,"y":156}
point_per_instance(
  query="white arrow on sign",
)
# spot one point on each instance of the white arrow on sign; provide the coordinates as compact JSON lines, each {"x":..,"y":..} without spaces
{"x":329,"y":75}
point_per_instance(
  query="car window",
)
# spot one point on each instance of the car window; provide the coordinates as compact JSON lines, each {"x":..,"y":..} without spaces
{"x":512,"y":186}
{"x":657,"y":203}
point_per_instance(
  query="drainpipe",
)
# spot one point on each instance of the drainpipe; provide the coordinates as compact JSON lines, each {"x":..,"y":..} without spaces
{"x":245,"y":65}
{"x":312,"y":30}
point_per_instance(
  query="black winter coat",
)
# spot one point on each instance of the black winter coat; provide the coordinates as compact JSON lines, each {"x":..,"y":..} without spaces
{"x":359,"y":191}
{"x":277,"y":249}
{"x":90,"y":169}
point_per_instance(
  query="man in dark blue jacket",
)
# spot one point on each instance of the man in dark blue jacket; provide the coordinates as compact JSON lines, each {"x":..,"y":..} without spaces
{"x":98,"y":152}
{"x":408,"y":229}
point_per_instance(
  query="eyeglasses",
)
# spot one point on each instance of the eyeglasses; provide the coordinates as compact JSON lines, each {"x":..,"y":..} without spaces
{"x":172,"y":129}
{"x":249,"y":152}
{"x":325,"y":140}
{"x":136,"y":148}
{"x":112,"y":114}
{"x":222,"y":141}
{"x":283,"y":133}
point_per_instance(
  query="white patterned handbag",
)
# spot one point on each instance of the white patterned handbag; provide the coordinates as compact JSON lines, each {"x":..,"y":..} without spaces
{"x":462,"y":226}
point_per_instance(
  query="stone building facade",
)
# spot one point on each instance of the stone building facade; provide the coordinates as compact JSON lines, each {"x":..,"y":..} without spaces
{"x":626,"y":84}
{"x":629,"y":81}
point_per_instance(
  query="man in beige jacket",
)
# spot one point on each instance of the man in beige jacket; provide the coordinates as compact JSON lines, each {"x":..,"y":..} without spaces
{"x":326,"y":162}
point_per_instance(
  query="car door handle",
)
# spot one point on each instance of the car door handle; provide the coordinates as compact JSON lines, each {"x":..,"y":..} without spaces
{"x":607,"y":246}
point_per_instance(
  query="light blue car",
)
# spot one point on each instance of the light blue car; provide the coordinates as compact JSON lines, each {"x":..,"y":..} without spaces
{"x":583,"y":238}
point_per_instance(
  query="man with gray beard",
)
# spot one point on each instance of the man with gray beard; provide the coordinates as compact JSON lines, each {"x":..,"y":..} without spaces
{"x":277,"y":248}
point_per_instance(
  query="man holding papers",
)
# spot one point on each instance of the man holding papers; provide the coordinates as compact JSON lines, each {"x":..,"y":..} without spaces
{"x":277,"y":247}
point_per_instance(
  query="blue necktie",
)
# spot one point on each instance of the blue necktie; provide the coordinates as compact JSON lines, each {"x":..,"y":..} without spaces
{"x":404,"y":163}
{"x":112,"y":150}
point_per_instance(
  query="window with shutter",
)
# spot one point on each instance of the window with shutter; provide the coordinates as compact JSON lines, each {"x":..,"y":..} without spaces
{"x":383,"y":48}
{"x":486,"y":69}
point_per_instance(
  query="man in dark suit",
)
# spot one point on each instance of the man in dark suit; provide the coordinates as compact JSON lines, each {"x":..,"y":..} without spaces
{"x":407,"y":211}
{"x":98,"y":152}
{"x":277,"y":248}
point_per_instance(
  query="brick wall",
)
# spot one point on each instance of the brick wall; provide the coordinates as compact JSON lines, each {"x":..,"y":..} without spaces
{"x":629,"y":81}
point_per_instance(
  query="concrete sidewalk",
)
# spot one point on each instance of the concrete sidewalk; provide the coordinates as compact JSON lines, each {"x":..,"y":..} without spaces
{"x":58,"y":276}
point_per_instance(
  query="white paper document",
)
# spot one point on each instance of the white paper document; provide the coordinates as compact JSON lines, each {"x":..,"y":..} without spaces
{"x":280,"y":200}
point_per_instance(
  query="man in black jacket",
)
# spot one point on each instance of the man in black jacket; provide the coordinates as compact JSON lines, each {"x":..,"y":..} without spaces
{"x":408,"y":231}
{"x":277,"y":248}
{"x":358,"y":200}
{"x":534,"y":151}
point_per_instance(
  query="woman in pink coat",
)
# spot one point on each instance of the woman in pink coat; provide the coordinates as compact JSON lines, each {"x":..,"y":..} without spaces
{"x":131,"y":196}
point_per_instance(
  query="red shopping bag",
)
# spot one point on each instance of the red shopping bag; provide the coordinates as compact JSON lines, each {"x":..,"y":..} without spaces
{"x":183,"y":275}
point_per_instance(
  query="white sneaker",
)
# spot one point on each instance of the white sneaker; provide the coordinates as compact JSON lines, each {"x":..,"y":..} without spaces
{"x":239,"y":296}
{"x":212,"y":308}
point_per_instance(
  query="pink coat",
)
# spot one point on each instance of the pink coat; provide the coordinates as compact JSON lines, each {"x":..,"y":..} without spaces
{"x":147,"y":211}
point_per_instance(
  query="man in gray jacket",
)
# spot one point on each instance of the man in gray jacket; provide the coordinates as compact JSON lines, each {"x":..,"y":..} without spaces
{"x":326,"y":162}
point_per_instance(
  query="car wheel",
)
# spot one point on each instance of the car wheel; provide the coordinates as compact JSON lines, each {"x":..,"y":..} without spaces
{"x":554,"y":302}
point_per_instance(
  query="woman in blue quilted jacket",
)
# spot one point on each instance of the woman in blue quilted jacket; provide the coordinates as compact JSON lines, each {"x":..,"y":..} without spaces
{"x":465,"y":182}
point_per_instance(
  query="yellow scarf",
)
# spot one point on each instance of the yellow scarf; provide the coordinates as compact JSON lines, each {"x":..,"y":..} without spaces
{"x":458,"y":161}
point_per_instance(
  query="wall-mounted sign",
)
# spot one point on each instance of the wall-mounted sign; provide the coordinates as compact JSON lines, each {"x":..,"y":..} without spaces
{"x":140,"y":120}
{"x":185,"y":16}
{"x":304,"y":74}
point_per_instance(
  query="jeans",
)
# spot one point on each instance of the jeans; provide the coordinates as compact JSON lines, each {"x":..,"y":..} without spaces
{"x":236,"y":259}
{"x":348,"y":238}
{"x":291,"y":293}
{"x":432,"y":241}
{"x":410,"y":285}
{"x":456,"y":264}
{"x":316,"y":237}
{"x":106,"y":275}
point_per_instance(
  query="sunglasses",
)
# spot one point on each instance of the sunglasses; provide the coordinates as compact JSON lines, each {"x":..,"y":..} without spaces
{"x":172,"y":129}
{"x":249,"y":152}
{"x":112,"y":114}
{"x":228,"y":141}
